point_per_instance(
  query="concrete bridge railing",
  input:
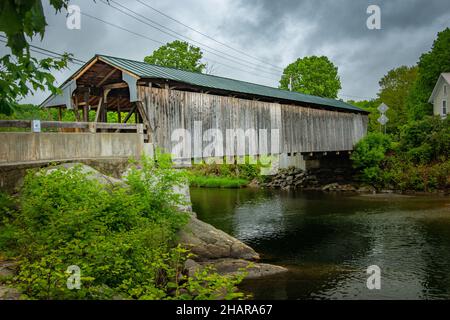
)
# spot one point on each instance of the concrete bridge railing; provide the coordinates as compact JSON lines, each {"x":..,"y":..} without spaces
{"x":84,"y":143}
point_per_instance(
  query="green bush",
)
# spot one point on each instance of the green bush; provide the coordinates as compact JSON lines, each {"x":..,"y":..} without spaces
{"x":121,"y":237}
{"x":404,"y":175}
{"x":217,"y":182}
{"x":370,"y":151}
{"x":426,"y":140}
{"x":215,"y":175}
{"x":368,"y":155}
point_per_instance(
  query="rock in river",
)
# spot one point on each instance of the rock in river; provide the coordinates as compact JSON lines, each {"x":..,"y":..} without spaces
{"x":218,"y":249}
{"x":207,"y":242}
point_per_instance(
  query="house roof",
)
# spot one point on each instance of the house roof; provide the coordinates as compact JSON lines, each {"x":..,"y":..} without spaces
{"x":443,"y":78}
{"x":145,"y":70}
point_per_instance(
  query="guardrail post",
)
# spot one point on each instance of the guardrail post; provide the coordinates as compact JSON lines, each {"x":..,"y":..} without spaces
{"x":140,"y":128}
{"x":92,"y":126}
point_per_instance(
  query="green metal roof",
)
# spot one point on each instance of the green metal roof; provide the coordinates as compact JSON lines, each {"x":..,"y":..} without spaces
{"x":145,"y":70}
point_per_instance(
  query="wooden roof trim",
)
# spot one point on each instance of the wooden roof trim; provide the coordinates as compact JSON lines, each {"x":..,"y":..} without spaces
{"x":119,"y":68}
{"x":86,"y":68}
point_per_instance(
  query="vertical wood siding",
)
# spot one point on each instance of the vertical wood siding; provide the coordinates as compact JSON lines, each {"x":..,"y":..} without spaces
{"x":301,"y":129}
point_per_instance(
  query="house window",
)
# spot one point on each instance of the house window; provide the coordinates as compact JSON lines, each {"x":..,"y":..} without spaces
{"x":445,"y":89}
{"x":444,"y":107}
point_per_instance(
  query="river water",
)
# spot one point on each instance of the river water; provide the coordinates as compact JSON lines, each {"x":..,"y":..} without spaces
{"x":327,"y":241}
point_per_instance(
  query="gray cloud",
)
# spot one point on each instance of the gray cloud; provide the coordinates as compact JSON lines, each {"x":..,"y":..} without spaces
{"x":276,"y":31}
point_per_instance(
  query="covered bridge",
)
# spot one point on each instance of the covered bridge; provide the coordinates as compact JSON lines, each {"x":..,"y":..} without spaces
{"x":166,"y":100}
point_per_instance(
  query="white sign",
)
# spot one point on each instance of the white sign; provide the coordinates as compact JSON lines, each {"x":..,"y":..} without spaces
{"x":383,"y":108}
{"x":383,"y":119}
{"x":36,"y":125}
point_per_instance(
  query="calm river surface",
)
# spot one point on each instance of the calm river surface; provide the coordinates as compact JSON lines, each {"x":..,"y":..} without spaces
{"x":327,"y":241}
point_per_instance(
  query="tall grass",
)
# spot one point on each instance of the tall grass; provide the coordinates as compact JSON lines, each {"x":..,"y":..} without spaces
{"x":217,"y":182}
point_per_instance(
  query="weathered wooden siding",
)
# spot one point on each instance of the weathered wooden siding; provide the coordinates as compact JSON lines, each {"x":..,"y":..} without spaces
{"x":301,"y":129}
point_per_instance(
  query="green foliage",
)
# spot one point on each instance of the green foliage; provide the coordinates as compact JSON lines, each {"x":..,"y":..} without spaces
{"x":404,"y":175}
{"x":20,"y":73}
{"x":430,"y":66}
{"x":370,"y":106}
{"x":19,"y":19}
{"x":370,"y":151}
{"x":426,"y":140}
{"x":24,"y":74}
{"x":178,"y":54}
{"x":218,"y":287}
{"x":217,"y":182}
{"x":213,"y":175}
{"x":418,"y":161}
{"x":121,"y":236}
{"x":313,"y":75}
{"x":395,"y":88}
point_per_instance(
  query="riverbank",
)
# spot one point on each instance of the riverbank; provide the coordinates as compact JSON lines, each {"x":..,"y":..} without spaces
{"x":203,"y":252}
{"x":331,"y":177}
{"x":331,"y":180}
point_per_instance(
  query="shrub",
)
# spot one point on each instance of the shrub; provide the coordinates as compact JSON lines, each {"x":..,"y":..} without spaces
{"x":224,"y":175}
{"x":121,"y":237}
{"x":368,"y":156}
{"x":426,"y":140}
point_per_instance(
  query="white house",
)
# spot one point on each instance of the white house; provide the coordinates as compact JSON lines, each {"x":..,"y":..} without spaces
{"x":440,"y":97}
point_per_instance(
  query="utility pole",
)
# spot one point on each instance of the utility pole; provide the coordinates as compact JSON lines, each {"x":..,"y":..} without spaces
{"x":290,"y":83}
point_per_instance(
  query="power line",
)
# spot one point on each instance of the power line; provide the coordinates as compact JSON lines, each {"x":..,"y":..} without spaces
{"x":145,"y":37}
{"x":49,"y":53}
{"x":53,"y":54}
{"x":179,"y":36}
{"x":352,"y":96}
{"x":183,"y":36}
{"x":121,"y":28}
{"x":207,"y":36}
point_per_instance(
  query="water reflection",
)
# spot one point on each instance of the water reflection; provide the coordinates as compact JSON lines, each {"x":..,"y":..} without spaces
{"x":327,"y":241}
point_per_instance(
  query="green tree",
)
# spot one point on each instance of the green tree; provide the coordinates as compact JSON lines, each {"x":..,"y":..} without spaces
{"x":312,"y":75}
{"x":370,"y":106}
{"x":430,"y":66}
{"x":20,"y":72}
{"x":395,"y":88}
{"x":178,"y":54}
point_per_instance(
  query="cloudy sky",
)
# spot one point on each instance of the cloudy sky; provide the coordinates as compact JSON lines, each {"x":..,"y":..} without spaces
{"x":259,"y":37}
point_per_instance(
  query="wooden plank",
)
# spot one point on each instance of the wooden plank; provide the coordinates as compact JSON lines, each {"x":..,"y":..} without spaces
{"x":99,"y":109}
{"x":301,"y":128}
{"x":15,"y":123}
{"x":130,"y":113}
{"x":106,"y":77}
{"x":65,"y":125}
{"x":86,"y":68}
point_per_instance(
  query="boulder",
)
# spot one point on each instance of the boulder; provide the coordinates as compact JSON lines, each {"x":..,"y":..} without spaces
{"x":367,"y":189}
{"x":7,"y":293}
{"x":7,"y":270}
{"x":92,"y":174}
{"x":191,"y":267}
{"x":207,"y":242}
{"x":330,"y":187}
{"x":236,"y":266}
